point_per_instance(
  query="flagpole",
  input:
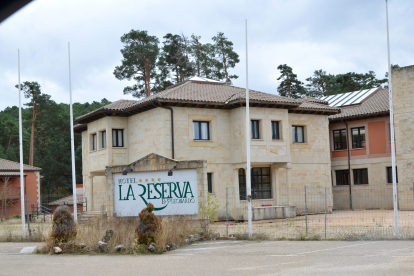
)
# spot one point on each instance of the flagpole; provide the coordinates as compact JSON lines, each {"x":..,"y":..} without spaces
{"x":394,"y":170}
{"x":72,"y":146}
{"x":21,"y":150}
{"x":248,"y":179}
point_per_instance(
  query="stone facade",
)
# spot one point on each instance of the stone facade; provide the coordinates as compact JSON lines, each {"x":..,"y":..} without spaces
{"x":292,"y":165}
{"x":403,"y":102}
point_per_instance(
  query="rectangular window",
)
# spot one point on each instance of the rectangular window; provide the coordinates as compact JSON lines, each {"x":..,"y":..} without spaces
{"x":261,"y":187}
{"x":342,"y":177}
{"x":117,"y":137}
{"x":360,"y":176}
{"x":201,"y":130}
{"x":275,"y":131}
{"x":103,"y":136}
{"x":298,"y":135}
{"x":209,"y":183}
{"x":255,"y":129}
{"x":389,"y":174}
{"x":339,"y":139}
{"x":242,"y":184}
{"x":358,"y":137}
{"x":94,"y":141}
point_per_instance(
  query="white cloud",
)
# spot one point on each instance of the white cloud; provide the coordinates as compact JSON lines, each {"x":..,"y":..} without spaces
{"x":337,"y":36}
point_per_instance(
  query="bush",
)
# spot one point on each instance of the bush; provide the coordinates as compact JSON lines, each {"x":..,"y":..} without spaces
{"x":209,"y":210}
{"x":63,"y":227}
{"x":149,"y":226}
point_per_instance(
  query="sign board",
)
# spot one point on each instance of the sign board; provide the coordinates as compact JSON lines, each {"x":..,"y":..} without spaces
{"x":170,"y":195}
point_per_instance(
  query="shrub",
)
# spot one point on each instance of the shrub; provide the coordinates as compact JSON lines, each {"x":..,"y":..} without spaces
{"x":209,"y":210}
{"x":63,"y":227}
{"x":149,"y":226}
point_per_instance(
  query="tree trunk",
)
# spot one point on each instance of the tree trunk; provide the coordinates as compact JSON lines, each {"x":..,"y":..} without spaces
{"x":147,"y":78}
{"x":8,"y":146}
{"x":32,"y":136}
{"x":225,"y":66}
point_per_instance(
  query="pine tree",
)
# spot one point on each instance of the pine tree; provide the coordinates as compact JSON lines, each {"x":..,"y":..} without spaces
{"x":140,"y":54}
{"x":290,"y":86}
{"x":226,"y":56}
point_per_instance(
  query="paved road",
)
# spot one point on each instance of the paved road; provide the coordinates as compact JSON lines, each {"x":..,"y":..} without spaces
{"x":228,"y":258}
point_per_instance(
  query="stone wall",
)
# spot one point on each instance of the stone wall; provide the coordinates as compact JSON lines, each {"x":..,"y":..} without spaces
{"x":293,"y":165}
{"x":403,"y":102}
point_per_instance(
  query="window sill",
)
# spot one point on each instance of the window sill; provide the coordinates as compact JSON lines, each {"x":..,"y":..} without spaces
{"x":340,"y":150}
{"x":298,"y":143}
{"x":203,"y":140}
{"x":257,"y":139}
{"x":119,"y":147}
{"x":359,"y":148}
{"x":277,"y":140}
{"x":102,"y":149}
{"x":257,"y":199}
{"x":361,"y":184}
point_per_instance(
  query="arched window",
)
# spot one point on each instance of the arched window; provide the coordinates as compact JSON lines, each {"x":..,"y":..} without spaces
{"x":242,"y":184}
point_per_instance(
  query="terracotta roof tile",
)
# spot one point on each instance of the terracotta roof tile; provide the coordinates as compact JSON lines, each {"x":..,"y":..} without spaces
{"x":207,"y":92}
{"x":377,"y":103}
{"x":7,"y":165}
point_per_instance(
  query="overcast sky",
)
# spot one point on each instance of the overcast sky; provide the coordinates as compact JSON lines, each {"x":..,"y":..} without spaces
{"x":338,"y":36}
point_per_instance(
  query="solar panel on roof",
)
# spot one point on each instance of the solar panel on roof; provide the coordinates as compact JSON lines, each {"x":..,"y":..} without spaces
{"x":349,"y":98}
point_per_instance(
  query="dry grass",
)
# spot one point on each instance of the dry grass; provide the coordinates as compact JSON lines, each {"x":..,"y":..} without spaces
{"x":10,"y":232}
{"x":174,"y":233}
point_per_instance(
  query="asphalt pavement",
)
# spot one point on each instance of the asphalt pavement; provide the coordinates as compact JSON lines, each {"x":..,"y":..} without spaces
{"x":226,"y":258}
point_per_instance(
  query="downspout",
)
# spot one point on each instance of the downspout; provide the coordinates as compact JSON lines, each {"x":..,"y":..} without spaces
{"x":349,"y":165}
{"x":172,"y":125}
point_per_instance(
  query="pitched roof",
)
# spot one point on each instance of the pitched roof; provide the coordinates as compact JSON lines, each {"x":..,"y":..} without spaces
{"x":7,"y":165}
{"x":377,"y":104}
{"x":6,"y":174}
{"x":198,"y":92}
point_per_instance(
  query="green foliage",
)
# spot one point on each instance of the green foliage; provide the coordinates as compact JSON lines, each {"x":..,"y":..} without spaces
{"x":227,"y":58}
{"x":51,"y":140}
{"x":323,"y":84}
{"x":149,"y":226}
{"x":140,"y":54}
{"x":290,"y":86}
{"x":155,"y":68}
{"x":209,"y":210}
{"x":63,"y":227}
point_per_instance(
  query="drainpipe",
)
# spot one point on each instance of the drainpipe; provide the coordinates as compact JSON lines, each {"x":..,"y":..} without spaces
{"x":349,"y":165}
{"x":172,"y":125}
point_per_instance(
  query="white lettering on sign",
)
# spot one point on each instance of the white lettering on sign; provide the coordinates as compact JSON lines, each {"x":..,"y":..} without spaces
{"x":170,"y":195}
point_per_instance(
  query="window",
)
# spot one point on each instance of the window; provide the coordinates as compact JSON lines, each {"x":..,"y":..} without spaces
{"x":201,"y":130}
{"x":209,"y":183}
{"x":340,"y":139}
{"x":117,"y":137}
{"x":360,"y":176}
{"x":275,"y":131}
{"x":342,"y":177}
{"x":255,"y":129}
{"x":94,"y":141}
{"x":261,"y":188}
{"x":260,"y":180}
{"x":242,"y":184}
{"x":358,"y":137}
{"x":298,"y":135}
{"x":103,"y":136}
{"x":389,"y":174}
